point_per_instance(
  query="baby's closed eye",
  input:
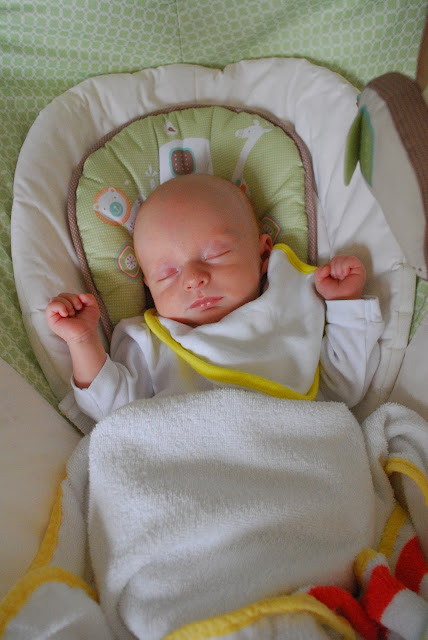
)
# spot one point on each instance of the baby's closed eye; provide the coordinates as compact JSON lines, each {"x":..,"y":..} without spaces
{"x":215,"y":255}
{"x":166,"y":273}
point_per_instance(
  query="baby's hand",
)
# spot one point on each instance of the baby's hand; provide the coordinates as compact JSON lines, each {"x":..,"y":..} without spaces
{"x":342,"y":278}
{"x":73,"y":316}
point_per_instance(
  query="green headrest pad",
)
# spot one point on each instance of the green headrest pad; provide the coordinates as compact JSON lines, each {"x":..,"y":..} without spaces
{"x":267,"y":159}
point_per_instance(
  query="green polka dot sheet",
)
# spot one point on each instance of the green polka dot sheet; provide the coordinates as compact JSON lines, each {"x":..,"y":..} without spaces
{"x":49,"y":46}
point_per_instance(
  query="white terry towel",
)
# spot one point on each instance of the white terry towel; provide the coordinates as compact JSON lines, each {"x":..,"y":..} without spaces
{"x":201,"y":504}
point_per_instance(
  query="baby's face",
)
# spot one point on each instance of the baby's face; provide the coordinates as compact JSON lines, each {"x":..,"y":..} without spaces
{"x":200,"y":249}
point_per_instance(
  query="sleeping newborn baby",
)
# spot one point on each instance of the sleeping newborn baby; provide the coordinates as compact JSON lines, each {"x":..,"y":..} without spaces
{"x":230,"y":309}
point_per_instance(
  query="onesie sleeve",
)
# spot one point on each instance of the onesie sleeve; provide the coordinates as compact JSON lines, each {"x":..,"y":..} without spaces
{"x":350,"y":350}
{"x":124,"y":377}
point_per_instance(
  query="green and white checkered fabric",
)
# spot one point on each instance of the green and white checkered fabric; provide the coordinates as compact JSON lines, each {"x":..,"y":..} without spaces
{"x":48,"y":46}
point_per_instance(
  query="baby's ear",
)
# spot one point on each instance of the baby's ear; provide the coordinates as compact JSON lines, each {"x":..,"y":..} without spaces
{"x":265,"y":248}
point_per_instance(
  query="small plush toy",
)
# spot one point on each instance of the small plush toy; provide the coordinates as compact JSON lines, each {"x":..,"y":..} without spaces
{"x":389,"y":138}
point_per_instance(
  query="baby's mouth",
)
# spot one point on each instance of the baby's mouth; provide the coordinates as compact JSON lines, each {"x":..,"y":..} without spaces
{"x":206,"y":303}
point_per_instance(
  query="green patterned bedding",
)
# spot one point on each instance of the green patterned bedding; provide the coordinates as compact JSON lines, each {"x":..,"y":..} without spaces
{"x":48,"y":46}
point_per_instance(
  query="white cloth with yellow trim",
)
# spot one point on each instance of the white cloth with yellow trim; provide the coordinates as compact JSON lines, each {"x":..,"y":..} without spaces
{"x":272,"y":344}
{"x":277,"y":336}
{"x":184,"y":509}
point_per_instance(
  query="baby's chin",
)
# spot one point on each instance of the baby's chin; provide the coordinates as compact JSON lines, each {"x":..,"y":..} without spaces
{"x":207,"y":316}
{"x":210,"y":315}
{"x":203,"y":318}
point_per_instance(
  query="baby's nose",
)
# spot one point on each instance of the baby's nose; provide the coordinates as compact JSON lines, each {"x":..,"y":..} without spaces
{"x":195,"y":276}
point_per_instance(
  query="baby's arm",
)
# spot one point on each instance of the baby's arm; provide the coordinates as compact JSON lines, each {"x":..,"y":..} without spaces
{"x":343,"y":278}
{"x":350,"y":351}
{"x":74,"y":318}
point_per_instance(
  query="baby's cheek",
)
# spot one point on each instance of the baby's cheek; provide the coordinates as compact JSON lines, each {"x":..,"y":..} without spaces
{"x":166,"y":303}
{"x":246,"y":289}
{"x":156,"y":296}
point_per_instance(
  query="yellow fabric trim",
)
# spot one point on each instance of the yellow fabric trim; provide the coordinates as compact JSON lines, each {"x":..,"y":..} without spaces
{"x":236,"y":620}
{"x":40,"y":573}
{"x":399,"y":465}
{"x":49,"y":543}
{"x":392,"y":528}
{"x":294,"y":260}
{"x":361,"y":562}
{"x":22,"y":591}
{"x":231,"y":376}
{"x":222,"y":374}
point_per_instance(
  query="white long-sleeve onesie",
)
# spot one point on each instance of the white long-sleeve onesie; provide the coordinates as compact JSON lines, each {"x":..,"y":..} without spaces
{"x":279,"y":336}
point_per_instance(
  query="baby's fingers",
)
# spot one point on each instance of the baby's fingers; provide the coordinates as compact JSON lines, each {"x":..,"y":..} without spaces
{"x":65,"y":305}
{"x":324,"y":271}
{"x":340,"y":268}
{"x":60,"y":307}
{"x":88,"y":300}
{"x":321,"y":273}
{"x":73,"y":298}
{"x":344,"y":265}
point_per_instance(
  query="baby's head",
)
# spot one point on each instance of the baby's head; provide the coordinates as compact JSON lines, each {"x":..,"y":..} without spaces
{"x":198,"y":243}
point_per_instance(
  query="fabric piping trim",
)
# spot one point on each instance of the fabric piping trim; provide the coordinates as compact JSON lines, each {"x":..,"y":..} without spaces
{"x":40,"y":572}
{"x":241,"y":618}
{"x":23,"y":590}
{"x":406,"y":467}
{"x":392,"y":528}
{"x":50,"y":539}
